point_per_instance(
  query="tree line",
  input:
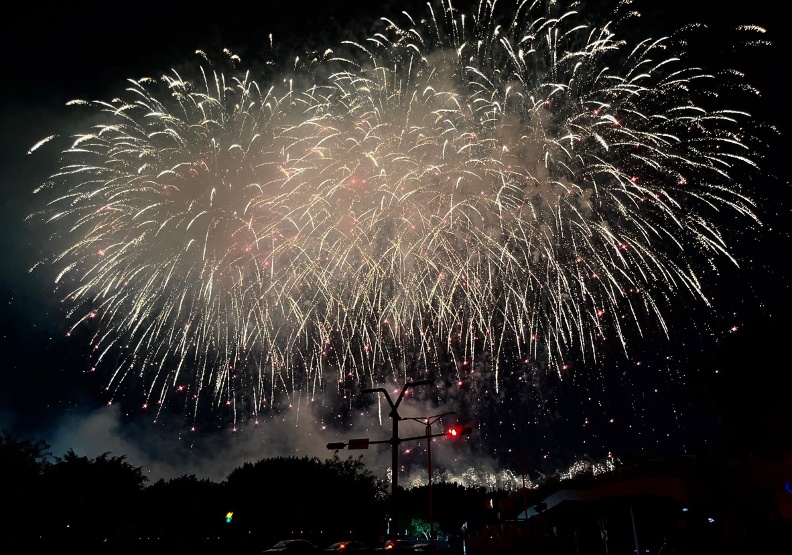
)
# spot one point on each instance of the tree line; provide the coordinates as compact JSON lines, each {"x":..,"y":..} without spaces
{"x":107,"y":504}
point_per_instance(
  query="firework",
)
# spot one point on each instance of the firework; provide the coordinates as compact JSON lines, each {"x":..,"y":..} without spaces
{"x":501,"y":187}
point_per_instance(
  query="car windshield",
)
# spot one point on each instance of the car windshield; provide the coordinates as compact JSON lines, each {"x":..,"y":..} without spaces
{"x":299,"y":544}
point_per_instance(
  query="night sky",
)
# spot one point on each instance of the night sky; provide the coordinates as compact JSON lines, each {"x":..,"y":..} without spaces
{"x":719,"y":381}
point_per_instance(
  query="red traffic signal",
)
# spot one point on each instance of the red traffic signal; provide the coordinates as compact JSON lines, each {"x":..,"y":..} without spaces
{"x":456,"y":431}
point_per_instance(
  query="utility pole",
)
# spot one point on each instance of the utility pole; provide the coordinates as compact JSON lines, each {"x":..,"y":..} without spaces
{"x":395,"y":441}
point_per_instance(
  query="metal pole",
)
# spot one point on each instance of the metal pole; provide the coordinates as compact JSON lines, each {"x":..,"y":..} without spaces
{"x":635,"y":531}
{"x":429,"y":435}
{"x":431,"y":514}
{"x":525,"y":503}
{"x":395,"y":473}
{"x":394,"y":441}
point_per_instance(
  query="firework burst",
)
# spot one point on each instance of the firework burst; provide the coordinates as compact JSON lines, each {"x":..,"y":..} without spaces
{"x":513,"y":184}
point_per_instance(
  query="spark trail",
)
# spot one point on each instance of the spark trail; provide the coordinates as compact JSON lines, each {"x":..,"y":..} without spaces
{"x":515,"y":181}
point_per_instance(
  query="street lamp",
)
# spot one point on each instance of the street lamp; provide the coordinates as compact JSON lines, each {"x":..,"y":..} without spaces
{"x":394,"y":414}
{"x":394,"y":441}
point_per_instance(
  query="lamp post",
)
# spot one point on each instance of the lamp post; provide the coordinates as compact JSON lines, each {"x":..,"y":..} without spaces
{"x":395,"y":440}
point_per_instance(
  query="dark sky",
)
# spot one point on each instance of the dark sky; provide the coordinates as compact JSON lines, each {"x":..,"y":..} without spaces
{"x":53,"y":54}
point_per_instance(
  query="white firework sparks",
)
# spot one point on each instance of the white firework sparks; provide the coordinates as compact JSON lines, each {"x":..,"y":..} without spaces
{"x":512,"y":181}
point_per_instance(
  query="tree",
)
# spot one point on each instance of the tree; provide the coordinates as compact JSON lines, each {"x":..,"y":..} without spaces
{"x":23,"y":462}
{"x":454,"y":505}
{"x":92,"y":501}
{"x":281,"y":496}
{"x":182,"y":513}
{"x":419,"y":528}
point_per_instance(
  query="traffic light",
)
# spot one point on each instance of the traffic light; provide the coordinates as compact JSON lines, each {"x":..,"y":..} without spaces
{"x":456,"y":431}
{"x":229,"y":516}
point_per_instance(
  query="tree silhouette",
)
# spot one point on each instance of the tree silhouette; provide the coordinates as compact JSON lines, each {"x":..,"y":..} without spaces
{"x":287,"y":496}
{"x":91,"y":501}
{"x":23,"y":462}
{"x":181,"y":514}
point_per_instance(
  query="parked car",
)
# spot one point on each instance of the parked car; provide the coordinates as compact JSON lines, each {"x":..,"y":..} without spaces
{"x":295,"y":546}
{"x":392,"y":547}
{"x":440,"y":548}
{"x":353,"y":547}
